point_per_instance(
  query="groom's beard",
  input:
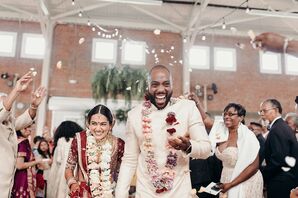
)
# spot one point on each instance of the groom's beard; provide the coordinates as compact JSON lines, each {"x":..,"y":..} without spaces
{"x":152,"y":99}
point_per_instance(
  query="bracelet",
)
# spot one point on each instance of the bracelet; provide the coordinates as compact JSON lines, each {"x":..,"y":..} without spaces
{"x":188,"y":149}
{"x":33,"y":107}
{"x":71,"y":181}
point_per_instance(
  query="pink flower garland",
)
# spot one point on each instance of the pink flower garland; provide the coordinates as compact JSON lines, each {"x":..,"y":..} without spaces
{"x":162,"y":180}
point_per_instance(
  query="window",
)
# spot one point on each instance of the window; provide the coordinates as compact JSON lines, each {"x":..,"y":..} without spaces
{"x":198,"y":57}
{"x":33,"y":46}
{"x":133,"y":52}
{"x":8,"y":44}
{"x":224,"y":59}
{"x":104,"y":50}
{"x":291,"y":64}
{"x":270,"y":63}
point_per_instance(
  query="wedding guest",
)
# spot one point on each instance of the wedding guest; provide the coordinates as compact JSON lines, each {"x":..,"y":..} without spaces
{"x":292,"y":121}
{"x":36,"y":141}
{"x":97,"y":155}
{"x":8,"y":126}
{"x":257,"y":128}
{"x":157,"y":148}
{"x":43,"y":153}
{"x":204,"y":171}
{"x":276,"y":43}
{"x":24,"y":178}
{"x":280,"y":145}
{"x":238,"y":148}
{"x":63,"y":136}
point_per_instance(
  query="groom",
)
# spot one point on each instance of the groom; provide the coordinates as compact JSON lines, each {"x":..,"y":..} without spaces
{"x":156,"y":147}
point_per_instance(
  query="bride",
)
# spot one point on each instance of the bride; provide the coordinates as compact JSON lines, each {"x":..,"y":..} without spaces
{"x":94,"y":158}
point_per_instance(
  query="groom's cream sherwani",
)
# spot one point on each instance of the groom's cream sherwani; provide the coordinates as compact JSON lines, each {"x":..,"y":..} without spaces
{"x":190,"y":122}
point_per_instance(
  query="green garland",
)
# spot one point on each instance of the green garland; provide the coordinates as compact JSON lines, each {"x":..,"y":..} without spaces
{"x":113,"y":82}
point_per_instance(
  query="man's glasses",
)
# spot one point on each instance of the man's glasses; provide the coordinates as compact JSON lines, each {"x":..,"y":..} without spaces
{"x":265,"y":110}
{"x":229,"y":114}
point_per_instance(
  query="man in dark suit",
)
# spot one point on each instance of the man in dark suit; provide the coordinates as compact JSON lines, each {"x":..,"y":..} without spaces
{"x":280,"y":145}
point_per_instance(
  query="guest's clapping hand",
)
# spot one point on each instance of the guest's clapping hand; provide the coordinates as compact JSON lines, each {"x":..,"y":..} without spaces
{"x":194,"y":97}
{"x":269,"y":41}
{"x":23,"y":83}
{"x":38,"y":96}
{"x":179,"y":143}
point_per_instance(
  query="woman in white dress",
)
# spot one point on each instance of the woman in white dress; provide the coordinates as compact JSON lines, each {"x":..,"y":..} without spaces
{"x":57,"y":186}
{"x":238,"y":148}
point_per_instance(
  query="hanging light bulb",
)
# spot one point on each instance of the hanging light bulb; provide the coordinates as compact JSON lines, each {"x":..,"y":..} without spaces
{"x":80,"y":14}
{"x":223,"y":24}
{"x":73,"y":2}
{"x":88,"y":23}
{"x":98,"y":33}
{"x":93,"y":29}
{"x":203,"y":38}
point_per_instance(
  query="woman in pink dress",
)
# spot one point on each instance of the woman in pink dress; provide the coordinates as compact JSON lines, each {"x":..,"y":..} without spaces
{"x":24,"y":179}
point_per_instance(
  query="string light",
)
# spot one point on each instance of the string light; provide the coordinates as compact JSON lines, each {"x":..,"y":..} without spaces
{"x":223,"y":24}
{"x":80,"y":14}
{"x":203,"y":37}
{"x":247,"y":7}
{"x":73,"y":2}
{"x":88,"y":23}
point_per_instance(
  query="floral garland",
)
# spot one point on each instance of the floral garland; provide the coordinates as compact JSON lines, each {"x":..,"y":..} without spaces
{"x":162,"y":180}
{"x":100,"y":184}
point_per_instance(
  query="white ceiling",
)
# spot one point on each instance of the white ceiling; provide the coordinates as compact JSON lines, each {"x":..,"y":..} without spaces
{"x":183,"y":16}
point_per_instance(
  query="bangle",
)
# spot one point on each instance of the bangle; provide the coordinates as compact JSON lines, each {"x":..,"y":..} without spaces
{"x":188,"y":149}
{"x":33,"y":107}
{"x":71,"y":181}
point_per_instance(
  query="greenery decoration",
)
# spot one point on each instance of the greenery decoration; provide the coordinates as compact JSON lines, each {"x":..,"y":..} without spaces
{"x":113,"y":82}
{"x":121,"y":115}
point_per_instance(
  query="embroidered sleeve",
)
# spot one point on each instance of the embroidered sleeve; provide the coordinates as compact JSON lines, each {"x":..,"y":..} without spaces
{"x":72,"y":159}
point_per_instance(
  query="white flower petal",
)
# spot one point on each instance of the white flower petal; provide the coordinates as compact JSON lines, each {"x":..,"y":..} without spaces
{"x":291,"y":161}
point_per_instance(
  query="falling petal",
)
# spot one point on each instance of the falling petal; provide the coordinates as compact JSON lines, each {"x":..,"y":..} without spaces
{"x":59,"y":64}
{"x":156,"y":31}
{"x":285,"y":169}
{"x":291,"y":161}
{"x":72,"y":81}
{"x":82,"y":40}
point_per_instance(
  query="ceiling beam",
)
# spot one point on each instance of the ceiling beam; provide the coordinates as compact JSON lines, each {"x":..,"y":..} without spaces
{"x":155,"y":16}
{"x":18,"y":10}
{"x":84,"y":9}
{"x":44,"y":14}
{"x":122,"y":24}
{"x":197,"y":21}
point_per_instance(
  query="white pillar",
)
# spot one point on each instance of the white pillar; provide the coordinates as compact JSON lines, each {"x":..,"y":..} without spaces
{"x":42,"y":109}
{"x":186,"y":72}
